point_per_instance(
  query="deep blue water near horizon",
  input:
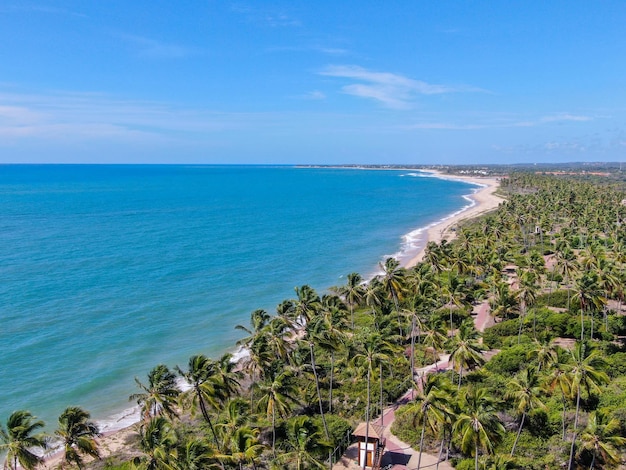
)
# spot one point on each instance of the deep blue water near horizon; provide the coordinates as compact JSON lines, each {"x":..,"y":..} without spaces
{"x":108,"y":270}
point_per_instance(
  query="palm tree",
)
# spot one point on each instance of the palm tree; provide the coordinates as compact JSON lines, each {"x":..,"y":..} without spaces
{"x":203,"y":391}
{"x":19,"y":440}
{"x":392,"y":282}
{"x":525,"y":391}
{"x":159,"y":395}
{"x":369,"y":351}
{"x":310,"y":336}
{"x":584,"y":373}
{"x":465,"y":353}
{"x":330,"y":334}
{"x":237,"y":414}
{"x":588,"y":293}
{"x":303,"y":444}
{"x":353,"y":292}
{"x":526,"y":294}
{"x":431,"y":405}
{"x":435,"y":338}
{"x":244,"y":447}
{"x":194,"y":454}
{"x":306,"y":304}
{"x":601,"y":439}
{"x":258,"y":320}
{"x":157,"y":440}
{"x":78,"y":435}
{"x":478,"y":426}
{"x":277,"y":395}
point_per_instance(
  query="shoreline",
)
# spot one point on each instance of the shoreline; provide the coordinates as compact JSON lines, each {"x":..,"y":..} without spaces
{"x":113,"y":438}
{"x":483,"y":200}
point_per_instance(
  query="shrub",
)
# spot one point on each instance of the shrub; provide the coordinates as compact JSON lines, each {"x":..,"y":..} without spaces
{"x":509,"y":361}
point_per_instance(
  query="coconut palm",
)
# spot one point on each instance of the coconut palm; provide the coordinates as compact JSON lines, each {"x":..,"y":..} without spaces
{"x":526,"y":294}
{"x":431,"y":406}
{"x":311,"y":335}
{"x":601,"y":438}
{"x":159,"y":395}
{"x":353,"y":293}
{"x":194,"y":454}
{"x":303,"y":445}
{"x":392,"y":282}
{"x":157,"y":440}
{"x":276,"y":398}
{"x":466,"y":350}
{"x":20,"y":440}
{"x":306,"y":304}
{"x":584,"y":374}
{"x":258,"y":320}
{"x":78,"y":435}
{"x":367,"y":352}
{"x":330,"y":335}
{"x":525,"y":392}
{"x":203,"y":392}
{"x":587,"y":291}
{"x":244,"y":447}
{"x":478,"y":426}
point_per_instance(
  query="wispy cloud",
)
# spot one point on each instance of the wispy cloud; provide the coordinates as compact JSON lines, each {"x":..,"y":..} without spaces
{"x":266,"y":17}
{"x":92,"y":116}
{"x":315,"y":95}
{"x":154,"y":49}
{"x":392,"y":90}
{"x":499,"y":122}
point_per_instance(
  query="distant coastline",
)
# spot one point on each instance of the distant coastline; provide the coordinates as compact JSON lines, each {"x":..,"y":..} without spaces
{"x":484,"y":200}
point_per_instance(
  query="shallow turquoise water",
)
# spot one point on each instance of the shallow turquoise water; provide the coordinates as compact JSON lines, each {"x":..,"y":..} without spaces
{"x":106,"y":271}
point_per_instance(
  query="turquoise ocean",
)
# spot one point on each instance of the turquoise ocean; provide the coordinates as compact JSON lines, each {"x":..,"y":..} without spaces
{"x":109,"y":270}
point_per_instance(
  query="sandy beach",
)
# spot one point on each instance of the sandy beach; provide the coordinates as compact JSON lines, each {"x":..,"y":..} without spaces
{"x":485,"y":201}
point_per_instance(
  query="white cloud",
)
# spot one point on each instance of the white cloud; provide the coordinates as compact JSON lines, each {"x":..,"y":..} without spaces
{"x":315,"y":95}
{"x":91,"y":116}
{"x":153,"y":49}
{"x":392,"y":90}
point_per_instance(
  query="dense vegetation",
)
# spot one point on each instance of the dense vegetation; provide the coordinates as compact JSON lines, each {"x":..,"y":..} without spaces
{"x":550,"y":263}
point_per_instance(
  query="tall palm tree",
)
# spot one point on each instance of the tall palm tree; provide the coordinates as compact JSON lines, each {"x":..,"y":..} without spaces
{"x":157,"y":440}
{"x":20,"y":439}
{"x":525,"y":392}
{"x":303,"y":445}
{"x":78,"y":435}
{"x":370,"y":350}
{"x":194,"y":454}
{"x":392,"y":282}
{"x":466,"y":349}
{"x":435,"y":338}
{"x":244,"y":447}
{"x":478,"y":426}
{"x":306,"y":304}
{"x":585,"y":373}
{"x":159,"y":395}
{"x":310,"y":337}
{"x":588,"y":292}
{"x":431,"y":406}
{"x":203,"y":392}
{"x":330,"y":332}
{"x":353,"y":293}
{"x":601,"y":438}
{"x":277,"y":396}
{"x":526,"y":293}
{"x":258,"y":320}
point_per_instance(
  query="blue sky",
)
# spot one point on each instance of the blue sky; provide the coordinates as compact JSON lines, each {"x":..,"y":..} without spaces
{"x":421,"y":82}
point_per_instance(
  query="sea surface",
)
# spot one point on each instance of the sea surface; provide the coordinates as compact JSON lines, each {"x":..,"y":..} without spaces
{"x":109,"y":270}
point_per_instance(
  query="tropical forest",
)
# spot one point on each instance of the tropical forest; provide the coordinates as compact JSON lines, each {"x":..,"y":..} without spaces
{"x":541,"y":385}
